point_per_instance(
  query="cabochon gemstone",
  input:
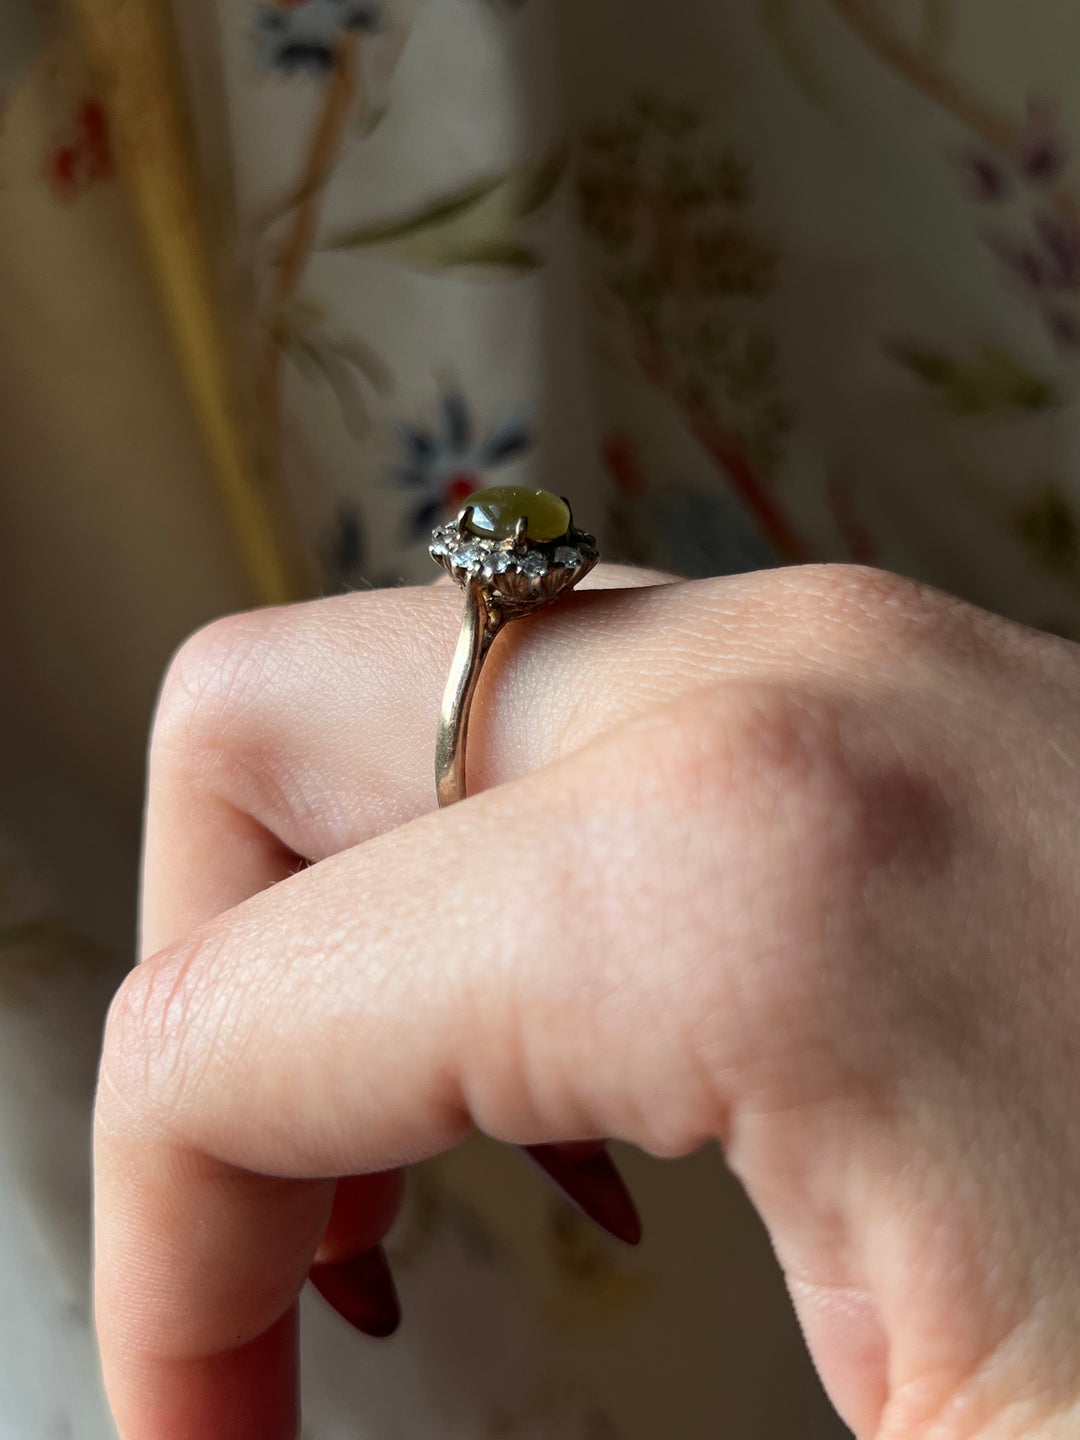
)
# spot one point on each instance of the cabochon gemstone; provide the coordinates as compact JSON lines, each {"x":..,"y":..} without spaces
{"x":495,"y":513}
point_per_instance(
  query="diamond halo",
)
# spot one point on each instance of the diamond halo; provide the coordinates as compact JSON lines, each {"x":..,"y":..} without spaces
{"x":516,"y":575}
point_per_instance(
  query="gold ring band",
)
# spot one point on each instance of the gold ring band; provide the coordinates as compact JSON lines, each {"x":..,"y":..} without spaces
{"x":503,"y":554}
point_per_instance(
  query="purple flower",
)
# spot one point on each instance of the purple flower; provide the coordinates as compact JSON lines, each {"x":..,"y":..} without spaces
{"x":1065,"y":328}
{"x":1043,"y":252}
{"x":1049,"y":259}
{"x":446,"y":463}
{"x":1044,"y":153}
{"x":1040,"y":158}
{"x":1059,"y":238}
{"x":1043,"y":160}
{"x":987,"y":177}
{"x":1023,"y":260}
{"x":302,"y":37}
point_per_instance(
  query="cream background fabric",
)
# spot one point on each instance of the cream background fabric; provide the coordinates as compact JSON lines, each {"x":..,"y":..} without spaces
{"x":754,"y":281}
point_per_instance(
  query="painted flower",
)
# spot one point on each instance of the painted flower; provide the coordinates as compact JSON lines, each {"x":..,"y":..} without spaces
{"x":1045,"y":262}
{"x":85,"y":157}
{"x":1047,"y":257}
{"x":1048,"y":525}
{"x":1035,"y":236}
{"x":302,"y":36}
{"x":1058,"y":237}
{"x":987,"y":177}
{"x":1041,"y":158}
{"x":699,"y":535}
{"x":344,"y":559}
{"x":687,"y":531}
{"x":1044,"y":151}
{"x":446,"y":463}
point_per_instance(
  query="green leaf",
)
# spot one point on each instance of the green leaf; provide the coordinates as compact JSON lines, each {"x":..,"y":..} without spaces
{"x":314,"y":360}
{"x":443,"y":212}
{"x":500,"y":254}
{"x":303,"y":355}
{"x":994,"y":381}
{"x":538,"y":184}
{"x":1048,"y":526}
{"x":478,"y":225}
{"x":371,"y":120}
{"x":359,"y":353}
{"x":777,"y":19}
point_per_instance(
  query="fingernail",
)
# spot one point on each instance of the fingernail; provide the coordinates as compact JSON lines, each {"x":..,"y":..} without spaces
{"x":588,"y":1178}
{"x":362,"y":1291}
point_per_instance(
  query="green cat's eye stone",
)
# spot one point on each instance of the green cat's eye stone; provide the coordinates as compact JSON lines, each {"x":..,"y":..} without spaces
{"x":495,"y":513}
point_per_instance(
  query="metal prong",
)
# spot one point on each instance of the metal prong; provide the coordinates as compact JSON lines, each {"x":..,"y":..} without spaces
{"x":521,"y":530}
{"x":465,"y":516}
{"x":569,"y":507}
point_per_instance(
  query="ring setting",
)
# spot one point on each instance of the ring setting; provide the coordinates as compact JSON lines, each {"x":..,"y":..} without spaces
{"x":512,"y":550}
{"x":503,"y":540}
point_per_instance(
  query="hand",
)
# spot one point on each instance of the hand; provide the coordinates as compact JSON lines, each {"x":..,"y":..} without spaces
{"x":786,"y":861}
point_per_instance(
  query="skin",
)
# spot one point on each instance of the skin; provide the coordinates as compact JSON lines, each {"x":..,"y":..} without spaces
{"x":784,"y":861}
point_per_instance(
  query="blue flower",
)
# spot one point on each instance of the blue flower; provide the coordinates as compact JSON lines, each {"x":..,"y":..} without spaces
{"x":445,"y":464}
{"x":700,"y":535}
{"x":302,"y":37}
{"x":345,"y":557}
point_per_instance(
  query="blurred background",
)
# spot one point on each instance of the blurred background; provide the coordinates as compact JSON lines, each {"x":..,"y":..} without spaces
{"x":281,"y":281}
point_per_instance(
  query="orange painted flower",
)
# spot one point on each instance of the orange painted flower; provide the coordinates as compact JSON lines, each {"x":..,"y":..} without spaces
{"x":86,"y":157}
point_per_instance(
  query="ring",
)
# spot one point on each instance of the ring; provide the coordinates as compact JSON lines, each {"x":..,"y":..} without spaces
{"x":512,"y":550}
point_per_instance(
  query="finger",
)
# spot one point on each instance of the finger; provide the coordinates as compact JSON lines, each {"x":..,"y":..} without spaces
{"x":365,"y":1207}
{"x":291,"y":735}
{"x":205,"y":852}
{"x":362,"y":1291}
{"x":343,"y":1022}
{"x":287,"y":735}
{"x":524,"y":971}
{"x":672,"y":935}
{"x":586,"y":1175}
{"x":350,"y":1270}
{"x":213,"y":854}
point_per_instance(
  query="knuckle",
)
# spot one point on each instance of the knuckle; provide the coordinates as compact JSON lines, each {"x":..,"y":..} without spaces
{"x":147,"y":1049}
{"x":828,"y":791}
{"x":791,"y":805}
{"x":860,"y":592}
{"x":739,"y":749}
{"x":211,"y":678}
{"x":893,"y":617}
{"x":669,"y":893}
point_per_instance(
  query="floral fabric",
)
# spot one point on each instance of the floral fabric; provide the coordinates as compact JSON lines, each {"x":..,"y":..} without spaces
{"x":754,"y":281}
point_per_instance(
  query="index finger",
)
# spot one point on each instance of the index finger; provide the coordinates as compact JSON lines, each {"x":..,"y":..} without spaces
{"x":345,"y":1022}
{"x":286,"y":735}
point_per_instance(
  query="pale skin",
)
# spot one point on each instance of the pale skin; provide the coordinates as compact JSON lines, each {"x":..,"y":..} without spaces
{"x":785,"y":862}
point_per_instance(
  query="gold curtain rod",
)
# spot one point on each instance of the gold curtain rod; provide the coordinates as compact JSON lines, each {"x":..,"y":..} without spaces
{"x":128,"y":45}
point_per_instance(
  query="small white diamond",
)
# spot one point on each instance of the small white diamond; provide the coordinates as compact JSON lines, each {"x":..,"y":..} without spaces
{"x":567,"y":555}
{"x":533,"y":563}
